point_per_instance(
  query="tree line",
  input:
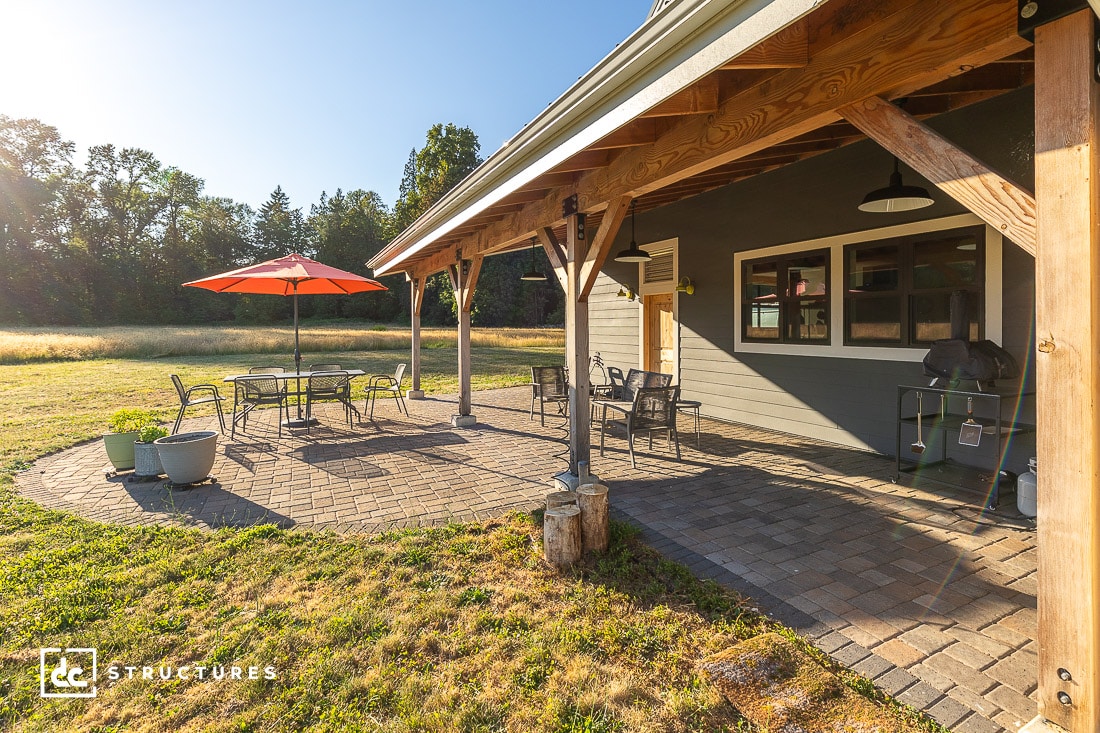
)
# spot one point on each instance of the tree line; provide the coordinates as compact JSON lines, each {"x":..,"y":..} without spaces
{"x":112,"y":241}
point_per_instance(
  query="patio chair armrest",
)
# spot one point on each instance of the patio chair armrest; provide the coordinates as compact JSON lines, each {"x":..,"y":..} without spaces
{"x":204,"y":388}
{"x":381,"y":380}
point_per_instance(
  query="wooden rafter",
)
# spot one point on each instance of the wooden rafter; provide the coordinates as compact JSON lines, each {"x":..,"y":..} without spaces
{"x":787,"y":49}
{"x":999,"y":202}
{"x":701,"y":98}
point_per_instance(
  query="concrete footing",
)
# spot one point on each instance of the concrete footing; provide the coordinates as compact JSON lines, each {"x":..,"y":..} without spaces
{"x":463,"y":421}
{"x":415,"y":394}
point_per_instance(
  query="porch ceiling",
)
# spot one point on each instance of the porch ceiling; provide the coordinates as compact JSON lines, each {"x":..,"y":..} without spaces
{"x":773,"y":104}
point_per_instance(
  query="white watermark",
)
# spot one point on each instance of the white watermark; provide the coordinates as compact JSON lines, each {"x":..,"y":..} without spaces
{"x":72,"y":672}
{"x":67,"y":672}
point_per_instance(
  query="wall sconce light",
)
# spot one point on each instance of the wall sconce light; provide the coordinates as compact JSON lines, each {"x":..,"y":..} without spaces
{"x":684,"y":285}
{"x":533,"y":274}
{"x":626,"y":292}
{"x":633,"y":253}
{"x":896,"y":197}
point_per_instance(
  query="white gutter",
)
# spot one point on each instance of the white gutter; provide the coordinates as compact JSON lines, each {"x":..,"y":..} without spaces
{"x":679,"y":46}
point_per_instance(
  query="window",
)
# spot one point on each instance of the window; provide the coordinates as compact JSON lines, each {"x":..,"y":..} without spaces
{"x":898,"y":291}
{"x":785,"y":298}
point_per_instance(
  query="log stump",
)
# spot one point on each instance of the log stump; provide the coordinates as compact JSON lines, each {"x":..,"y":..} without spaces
{"x":561,"y":535}
{"x":595,"y":521}
{"x":560,"y":498}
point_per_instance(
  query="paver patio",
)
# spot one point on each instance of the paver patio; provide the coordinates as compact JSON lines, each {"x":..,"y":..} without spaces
{"x":910,"y":587}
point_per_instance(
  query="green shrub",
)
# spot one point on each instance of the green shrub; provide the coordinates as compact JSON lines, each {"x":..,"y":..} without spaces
{"x":130,"y":420}
{"x":148,"y":433}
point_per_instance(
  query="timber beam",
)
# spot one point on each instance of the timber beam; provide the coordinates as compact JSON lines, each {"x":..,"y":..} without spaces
{"x":997,"y":201}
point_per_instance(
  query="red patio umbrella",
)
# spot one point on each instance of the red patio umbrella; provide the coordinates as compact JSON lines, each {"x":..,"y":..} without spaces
{"x":289,"y":275}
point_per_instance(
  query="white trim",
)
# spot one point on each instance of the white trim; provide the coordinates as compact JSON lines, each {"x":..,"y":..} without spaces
{"x":835,"y":244}
{"x":661,"y":286}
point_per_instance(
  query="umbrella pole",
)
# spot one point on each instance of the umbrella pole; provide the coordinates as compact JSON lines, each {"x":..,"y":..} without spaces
{"x":300,"y":422}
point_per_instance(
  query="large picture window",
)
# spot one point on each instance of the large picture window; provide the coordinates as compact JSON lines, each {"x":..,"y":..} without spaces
{"x":898,"y":291}
{"x":785,"y":298}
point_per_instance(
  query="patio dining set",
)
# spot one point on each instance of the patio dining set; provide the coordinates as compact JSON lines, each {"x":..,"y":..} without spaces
{"x":640,"y":401}
{"x":272,"y":385}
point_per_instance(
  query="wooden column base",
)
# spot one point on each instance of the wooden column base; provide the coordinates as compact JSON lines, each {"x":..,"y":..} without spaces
{"x":1041,"y":725}
{"x":463,"y":421}
{"x":415,"y":394}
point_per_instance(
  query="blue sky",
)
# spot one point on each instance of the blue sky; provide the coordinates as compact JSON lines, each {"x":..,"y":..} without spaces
{"x":311,"y":96}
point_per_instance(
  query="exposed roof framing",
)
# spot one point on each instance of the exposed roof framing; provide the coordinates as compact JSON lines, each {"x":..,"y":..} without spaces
{"x":709,"y":93}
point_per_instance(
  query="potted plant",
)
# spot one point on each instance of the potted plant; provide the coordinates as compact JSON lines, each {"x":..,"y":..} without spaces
{"x":188,"y":457}
{"x":146,"y":454}
{"x":124,"y":425}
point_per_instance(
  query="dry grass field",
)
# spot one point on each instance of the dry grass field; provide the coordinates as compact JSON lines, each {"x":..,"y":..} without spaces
{"x":27,"y":345}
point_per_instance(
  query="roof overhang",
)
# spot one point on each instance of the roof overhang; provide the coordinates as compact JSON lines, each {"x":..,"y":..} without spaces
{"x":674,"y":49}
{"x":724,"y":91}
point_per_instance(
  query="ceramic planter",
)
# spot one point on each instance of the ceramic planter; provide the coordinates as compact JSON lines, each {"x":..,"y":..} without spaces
{"x":147,"y":460}
{"x":188,"y":457}
{"x":120,"y":449}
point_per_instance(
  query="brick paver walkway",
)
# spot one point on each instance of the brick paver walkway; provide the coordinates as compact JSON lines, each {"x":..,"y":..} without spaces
{"x":913,"y":589}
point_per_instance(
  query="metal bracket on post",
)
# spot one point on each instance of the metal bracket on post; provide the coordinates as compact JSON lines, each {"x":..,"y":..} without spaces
{"x":1033,"y":13}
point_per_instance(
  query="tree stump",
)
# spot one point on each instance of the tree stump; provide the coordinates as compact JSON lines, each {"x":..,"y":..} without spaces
{"x":560,"y":498}
{"x":595,"y":522}
{"x":561,"y":535}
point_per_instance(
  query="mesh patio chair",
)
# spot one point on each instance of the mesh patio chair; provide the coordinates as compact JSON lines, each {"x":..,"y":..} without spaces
{"x":334,"y":385}
{"x":638,"y":378}
{"x":653,"y":409}
{"x":187,"y":399}
{"x":548,"y":384}
{"x":385,"y":384}
{"x":253,"y":391}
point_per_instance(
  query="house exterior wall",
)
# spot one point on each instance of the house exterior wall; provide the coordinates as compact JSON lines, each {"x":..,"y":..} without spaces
{"x":850,"y":401}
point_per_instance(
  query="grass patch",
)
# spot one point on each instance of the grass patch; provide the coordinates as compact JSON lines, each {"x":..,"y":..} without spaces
{"x":398,"y":631}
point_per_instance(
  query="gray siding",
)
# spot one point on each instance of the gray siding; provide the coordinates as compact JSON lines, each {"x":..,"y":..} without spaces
{"x":612,"y":324}
{"x":847,"y":401}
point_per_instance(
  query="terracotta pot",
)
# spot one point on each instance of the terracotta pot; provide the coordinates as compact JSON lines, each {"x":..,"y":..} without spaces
{"x":188,"y":457}
{"x":147,"y":460}
{"x":120,"y":449}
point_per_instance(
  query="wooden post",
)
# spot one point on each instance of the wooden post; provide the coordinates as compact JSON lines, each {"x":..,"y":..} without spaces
{"x":595,"y":519}
{"x":561,"y":535}
{"x":1067,"y":326}
{"x":463,"y":280}
{"x":576,"y":346}
{"x":418,"y":284}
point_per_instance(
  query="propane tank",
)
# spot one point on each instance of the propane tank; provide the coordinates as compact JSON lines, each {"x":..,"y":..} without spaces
{"x":1025,"y":490}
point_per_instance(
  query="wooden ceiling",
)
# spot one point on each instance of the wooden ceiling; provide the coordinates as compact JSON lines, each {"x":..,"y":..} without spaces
{"x":779,"y":99}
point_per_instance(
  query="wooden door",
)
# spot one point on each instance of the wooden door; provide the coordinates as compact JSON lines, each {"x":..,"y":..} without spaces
{"x":660,"y":334}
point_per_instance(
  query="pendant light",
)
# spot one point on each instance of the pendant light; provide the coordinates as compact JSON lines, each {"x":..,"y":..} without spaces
{"x":633,"y":253}
{"x":533,"y":274}
{"x":896,"y":196}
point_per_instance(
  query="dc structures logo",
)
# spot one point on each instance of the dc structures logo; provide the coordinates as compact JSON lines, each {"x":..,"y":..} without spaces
{"x":67,"y":672}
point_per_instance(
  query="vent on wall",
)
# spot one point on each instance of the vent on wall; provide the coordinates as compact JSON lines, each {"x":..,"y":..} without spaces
{"x":658,"y":269}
